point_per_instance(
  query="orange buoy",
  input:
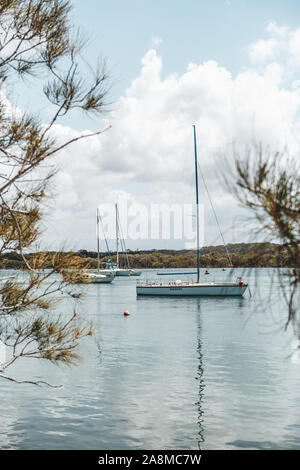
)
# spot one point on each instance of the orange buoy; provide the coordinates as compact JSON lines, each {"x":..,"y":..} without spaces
{"x":126,"y":313}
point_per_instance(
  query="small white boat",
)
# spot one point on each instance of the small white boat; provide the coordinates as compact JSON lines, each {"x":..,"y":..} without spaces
{"x":97,"y":278}
{"x":127,"y":271}
{"x":135,"y":272}
{"x":106,"y":272}
{"x":116,"y":271}
{"x":122,"y":272}
{"x":105,"y":276}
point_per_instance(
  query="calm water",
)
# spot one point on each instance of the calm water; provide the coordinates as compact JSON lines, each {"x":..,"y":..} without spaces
{"x":183,"y":373}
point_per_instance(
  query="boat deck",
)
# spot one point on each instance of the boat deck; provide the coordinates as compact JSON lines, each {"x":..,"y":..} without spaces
{"x":190,"y":284}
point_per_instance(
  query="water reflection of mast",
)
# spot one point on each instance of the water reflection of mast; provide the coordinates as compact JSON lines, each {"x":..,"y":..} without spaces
{"x":199,"y":377}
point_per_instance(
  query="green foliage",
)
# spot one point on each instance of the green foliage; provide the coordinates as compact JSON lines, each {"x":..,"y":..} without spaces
{"x":37,"y":43}
{"x":269,"y":186}
{"x":259,"y":255}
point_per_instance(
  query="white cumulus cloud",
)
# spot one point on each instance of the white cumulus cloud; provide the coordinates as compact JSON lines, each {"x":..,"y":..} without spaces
{"x":264,"y":50}
{"x":148,"y":152}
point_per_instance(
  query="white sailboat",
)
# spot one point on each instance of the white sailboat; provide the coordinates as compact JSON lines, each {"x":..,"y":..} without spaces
{"x":135,"y":272}
{"x":98,"y":277}
{"x":179,"y":288}
{"x":119,"y":271}
{"x":122,"y":271}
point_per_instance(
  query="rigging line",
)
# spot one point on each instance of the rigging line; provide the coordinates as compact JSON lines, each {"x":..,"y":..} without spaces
{"x":214,"y":240}
{"x":215,"y":215}
{"x":108,"y":251}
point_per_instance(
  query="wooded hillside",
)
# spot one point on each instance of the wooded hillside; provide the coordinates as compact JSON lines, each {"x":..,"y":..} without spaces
{"x":241,"y":254}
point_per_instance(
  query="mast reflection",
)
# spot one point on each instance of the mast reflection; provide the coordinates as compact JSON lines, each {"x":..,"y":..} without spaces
{"x":199,"y":378}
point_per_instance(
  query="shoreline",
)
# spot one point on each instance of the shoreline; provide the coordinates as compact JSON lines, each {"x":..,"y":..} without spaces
{"x":242,"y":255}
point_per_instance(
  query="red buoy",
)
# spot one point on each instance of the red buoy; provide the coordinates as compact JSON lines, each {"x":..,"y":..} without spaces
{"x":126,"y":313}
{"x":206,"y":272}
{"x":241,"y":282}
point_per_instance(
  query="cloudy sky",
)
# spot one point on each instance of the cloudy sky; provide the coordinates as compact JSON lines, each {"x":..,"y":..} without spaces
{"x":232,"y":67}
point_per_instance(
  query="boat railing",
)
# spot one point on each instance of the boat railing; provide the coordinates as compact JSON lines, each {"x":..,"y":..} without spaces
{"x":163,"y":282}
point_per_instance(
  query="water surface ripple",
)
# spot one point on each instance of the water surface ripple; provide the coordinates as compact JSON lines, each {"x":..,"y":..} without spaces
{"x":179,"y":373}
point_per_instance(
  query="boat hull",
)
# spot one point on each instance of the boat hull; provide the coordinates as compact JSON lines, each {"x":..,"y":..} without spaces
{"x":116,"y":271}
{"x":122,"y":272}
{"x":96,"y":280}
{"x":135,"y":272}
{"x":203,"y":289}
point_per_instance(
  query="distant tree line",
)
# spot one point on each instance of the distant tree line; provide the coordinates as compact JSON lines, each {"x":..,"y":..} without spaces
{"x":241,"y":254}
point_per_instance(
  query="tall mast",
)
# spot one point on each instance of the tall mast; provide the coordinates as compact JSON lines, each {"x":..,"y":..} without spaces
{"x":117,"y":235}
{"x":121,"y":238}
{"x":98,"y":241}
{"x":197,"y":205}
